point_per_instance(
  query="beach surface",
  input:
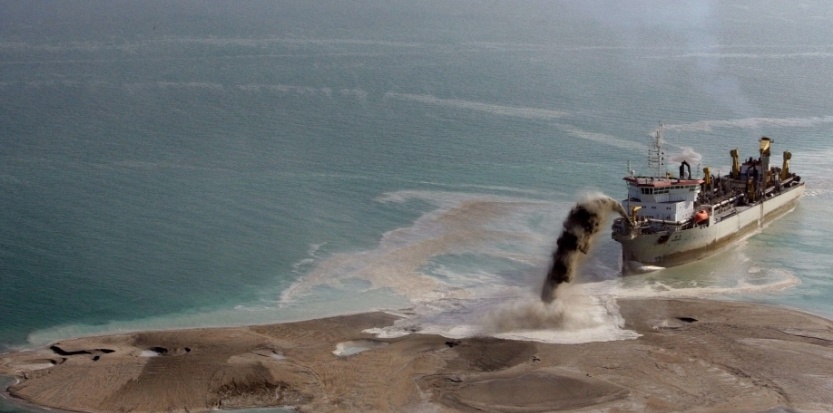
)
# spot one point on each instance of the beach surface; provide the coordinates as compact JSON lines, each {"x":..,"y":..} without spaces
{"x":690,"y":356}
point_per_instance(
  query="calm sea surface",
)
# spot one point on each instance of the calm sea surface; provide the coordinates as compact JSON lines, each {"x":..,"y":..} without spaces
{"x":180,"y":164}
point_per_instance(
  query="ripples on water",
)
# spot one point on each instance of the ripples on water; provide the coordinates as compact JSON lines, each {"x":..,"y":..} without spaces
{"x":270,"y":166}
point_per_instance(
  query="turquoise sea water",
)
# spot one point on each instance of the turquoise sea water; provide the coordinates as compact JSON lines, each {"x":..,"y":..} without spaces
{"x":215,"y":163}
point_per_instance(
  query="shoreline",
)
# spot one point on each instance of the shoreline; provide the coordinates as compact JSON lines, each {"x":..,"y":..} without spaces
{"x":691,"y":355}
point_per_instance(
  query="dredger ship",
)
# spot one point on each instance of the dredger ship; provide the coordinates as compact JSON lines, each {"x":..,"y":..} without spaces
{"x":675,"y":220}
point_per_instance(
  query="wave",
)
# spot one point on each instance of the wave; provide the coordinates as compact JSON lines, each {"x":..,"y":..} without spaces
{"x":143,"y":45}
{"x":601,"y":138}
{"x":747,"y":123}
{"x":37,"y":84}
{"x":359,"y":94}
{"x":261,"y":42}
{"x":659,"y":289}
{"x":723,"y":55}
{"x":279,"y":88}
{"x":323,"y":91}
{"x":500,"y":189}
{"x":189,"y":85}
{"x":355,"y":93}
{"x":89,"y":46}
{"x":328,"y":92}
{"x":523,"y":113}
{"x":304,"y":264}
{"x":550,"y":48}
{"x":501,"y":110}
{"x":134,"y":87}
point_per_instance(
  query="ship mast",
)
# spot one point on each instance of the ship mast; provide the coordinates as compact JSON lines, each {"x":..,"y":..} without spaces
{"x":656,"y":155}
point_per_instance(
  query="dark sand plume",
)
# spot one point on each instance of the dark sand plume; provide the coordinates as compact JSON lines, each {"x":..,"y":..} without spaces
{"x":692,"y":356}
{"x":580,"y":228}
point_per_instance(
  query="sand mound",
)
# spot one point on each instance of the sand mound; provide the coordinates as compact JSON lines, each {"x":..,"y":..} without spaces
{"x":538,"y":391}
{"x":692,"y":356}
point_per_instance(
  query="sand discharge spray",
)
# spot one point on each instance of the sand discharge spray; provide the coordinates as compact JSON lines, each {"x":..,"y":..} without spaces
{"x":569,"y":308}
{"x":571,"y":313}
{"x":580,"y":229}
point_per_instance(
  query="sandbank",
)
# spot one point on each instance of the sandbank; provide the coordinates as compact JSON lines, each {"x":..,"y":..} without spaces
{"x":691,"y":356}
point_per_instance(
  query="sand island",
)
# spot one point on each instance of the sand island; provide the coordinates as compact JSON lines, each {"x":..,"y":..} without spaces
{"x":691,"y":356}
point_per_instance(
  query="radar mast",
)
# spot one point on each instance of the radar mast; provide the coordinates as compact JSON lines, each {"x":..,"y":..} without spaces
{"x":656,"y":154}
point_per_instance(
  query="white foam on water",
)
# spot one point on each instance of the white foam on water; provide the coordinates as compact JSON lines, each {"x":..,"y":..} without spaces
{"x":639,"y":268}
{"x":730,"y":273}
{"x":749,"y":123}
{"x":601,"y":138}
{"x":494,"y":109}
{"x":741,"y":287}
{"x":303,"y":264}
{"x":746,"y":56}
{"x":575,"y":316}
{"x":286,"y":89}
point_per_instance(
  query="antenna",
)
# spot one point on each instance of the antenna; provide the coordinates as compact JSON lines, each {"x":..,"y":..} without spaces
{"x":656,"y":155}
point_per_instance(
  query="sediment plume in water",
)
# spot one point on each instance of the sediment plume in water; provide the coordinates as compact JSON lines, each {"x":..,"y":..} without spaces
{"x":580,"y":228}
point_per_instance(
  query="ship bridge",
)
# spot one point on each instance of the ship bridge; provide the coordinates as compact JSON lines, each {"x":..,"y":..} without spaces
{"x":662,"y":199}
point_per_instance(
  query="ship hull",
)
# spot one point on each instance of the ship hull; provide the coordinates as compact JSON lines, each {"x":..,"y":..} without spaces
{"x":666,"y":249}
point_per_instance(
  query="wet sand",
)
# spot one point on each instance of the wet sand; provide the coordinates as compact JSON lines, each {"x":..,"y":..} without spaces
{"x":692,"y":356}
